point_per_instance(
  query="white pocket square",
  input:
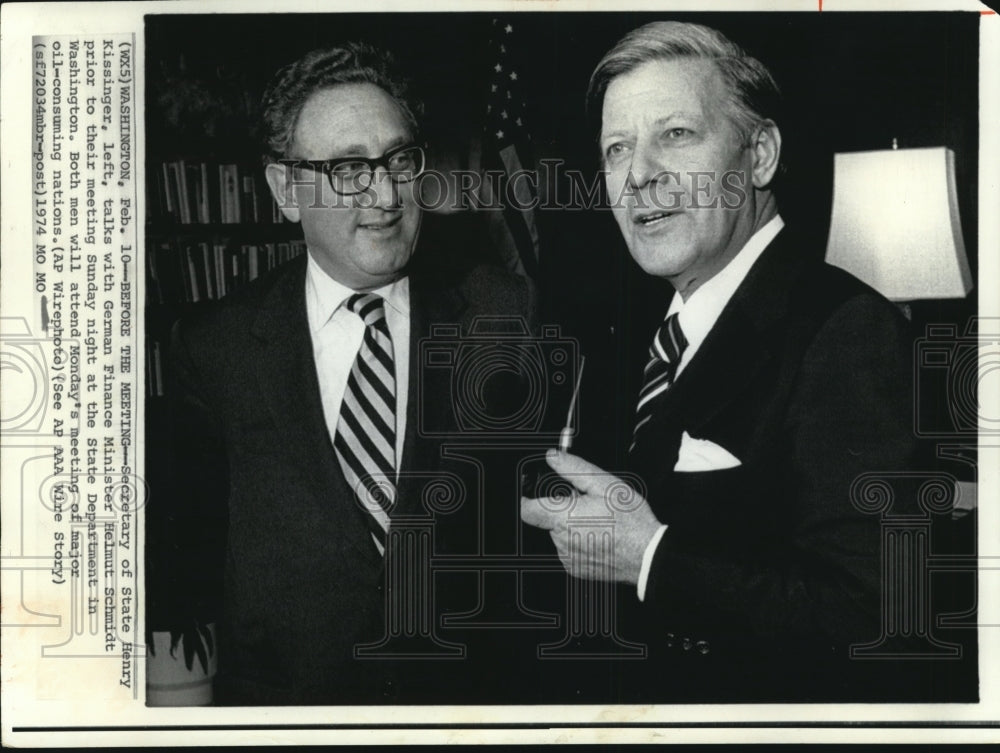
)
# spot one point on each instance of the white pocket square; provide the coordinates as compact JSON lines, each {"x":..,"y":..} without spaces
{"x":703,"y":455}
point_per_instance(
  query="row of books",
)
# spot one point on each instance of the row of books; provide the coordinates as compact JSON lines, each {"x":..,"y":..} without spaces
{"x":195,"y":272}
{"x":208,"y":193}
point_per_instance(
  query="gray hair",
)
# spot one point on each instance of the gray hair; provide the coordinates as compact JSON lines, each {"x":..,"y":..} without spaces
{"x":350,"y":63}
{"x":754,"y":94}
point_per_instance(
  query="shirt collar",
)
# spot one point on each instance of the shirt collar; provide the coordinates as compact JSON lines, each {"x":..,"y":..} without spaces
{"x":324,"y":295}
{"x":698,"y":314}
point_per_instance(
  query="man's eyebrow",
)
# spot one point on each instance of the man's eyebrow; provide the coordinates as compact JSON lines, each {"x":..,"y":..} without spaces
{"x":360,"y":150}
{"x":613,"y":134}
{"x":398,"y":141}
{"x":656,"y":123}
{"x":355,"y":150}
{"x":674,"y":116}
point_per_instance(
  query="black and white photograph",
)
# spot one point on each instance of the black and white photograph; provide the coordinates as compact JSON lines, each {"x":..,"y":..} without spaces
{"x":504,"y":370}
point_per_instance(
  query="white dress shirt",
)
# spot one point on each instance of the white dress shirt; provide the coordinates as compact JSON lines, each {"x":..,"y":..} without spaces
{"x":697,"y":315}
{"x":337,"y":333}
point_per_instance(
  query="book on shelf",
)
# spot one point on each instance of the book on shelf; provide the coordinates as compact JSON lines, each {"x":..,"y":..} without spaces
{"x":190,"y":271}
{"x":154,"y":368}
{"x":248,"y":199}
{"x":168,"y":192}
{"x":204,"y":195}
{"x":208,"y":280}
{"x":179,"y":180}
{"x":231,"y":194}
{"x":166,"y":284}
{"x":154,"y":284}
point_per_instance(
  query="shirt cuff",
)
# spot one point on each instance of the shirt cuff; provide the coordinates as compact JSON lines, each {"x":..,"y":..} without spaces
{"x":647,"y":560}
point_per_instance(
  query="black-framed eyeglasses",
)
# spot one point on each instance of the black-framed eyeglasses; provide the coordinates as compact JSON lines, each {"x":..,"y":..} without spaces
{"x":353,"y":175}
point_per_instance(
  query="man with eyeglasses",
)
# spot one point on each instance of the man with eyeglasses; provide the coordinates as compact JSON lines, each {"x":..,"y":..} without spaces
{"x":302,"y":403}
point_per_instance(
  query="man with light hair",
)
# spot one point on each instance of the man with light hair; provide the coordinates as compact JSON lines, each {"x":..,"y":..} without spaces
{"x":773,"y":382}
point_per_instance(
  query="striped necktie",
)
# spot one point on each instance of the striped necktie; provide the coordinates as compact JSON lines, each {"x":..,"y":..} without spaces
{"x":664,"y":355}
{"x":366,"y":429}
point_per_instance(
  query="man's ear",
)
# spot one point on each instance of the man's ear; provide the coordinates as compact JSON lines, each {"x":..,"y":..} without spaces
{"x":281,"y":190}
{"x":766,"y":146}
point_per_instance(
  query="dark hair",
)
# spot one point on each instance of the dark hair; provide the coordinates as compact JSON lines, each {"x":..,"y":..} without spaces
{"x":349,"y":63}
{"x":754,"y":94}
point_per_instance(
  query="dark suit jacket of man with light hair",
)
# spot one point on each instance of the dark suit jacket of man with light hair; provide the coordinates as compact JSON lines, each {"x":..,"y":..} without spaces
{"x":748,"y":571}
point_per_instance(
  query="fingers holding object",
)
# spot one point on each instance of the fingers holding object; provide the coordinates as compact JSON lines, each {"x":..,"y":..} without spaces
{"x":534,"y":513}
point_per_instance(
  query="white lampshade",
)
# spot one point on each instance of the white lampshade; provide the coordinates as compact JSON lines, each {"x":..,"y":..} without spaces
{"x":895,"y":223}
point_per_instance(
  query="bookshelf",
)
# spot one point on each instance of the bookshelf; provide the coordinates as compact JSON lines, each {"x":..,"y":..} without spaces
{"x":211,"y":228}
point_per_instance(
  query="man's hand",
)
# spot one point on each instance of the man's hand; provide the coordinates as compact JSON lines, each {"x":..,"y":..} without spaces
{"x":600,"y":502}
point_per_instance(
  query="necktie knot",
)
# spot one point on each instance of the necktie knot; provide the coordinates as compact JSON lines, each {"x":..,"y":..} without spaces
{"x":368,"y":306}
{"x":669,"y":343}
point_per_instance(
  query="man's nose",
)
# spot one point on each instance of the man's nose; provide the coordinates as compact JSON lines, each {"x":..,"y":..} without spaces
{"x":645,"y":167}
{"x":384,"y":190}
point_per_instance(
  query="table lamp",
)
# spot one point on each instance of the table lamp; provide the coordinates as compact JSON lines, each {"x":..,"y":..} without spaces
{"x":895,"y":223}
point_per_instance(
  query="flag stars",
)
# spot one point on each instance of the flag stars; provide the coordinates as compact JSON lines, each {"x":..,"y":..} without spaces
{"x":503,"y":109}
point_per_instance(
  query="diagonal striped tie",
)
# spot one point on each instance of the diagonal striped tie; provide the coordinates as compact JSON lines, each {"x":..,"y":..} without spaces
{"x":664,"y":355}
{"x":366,"y":430}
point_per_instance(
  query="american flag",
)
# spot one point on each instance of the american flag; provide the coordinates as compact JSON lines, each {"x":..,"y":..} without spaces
{"x":506,"y":146}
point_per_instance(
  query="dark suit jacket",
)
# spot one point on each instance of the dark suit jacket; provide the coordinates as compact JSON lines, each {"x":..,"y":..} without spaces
{"x":303,"y":581}
{"x":768,"y":572}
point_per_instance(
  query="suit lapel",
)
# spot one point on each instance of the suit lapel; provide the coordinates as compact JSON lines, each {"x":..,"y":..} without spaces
{"x":431,"y":303}
{"x":736,"y":348}
{"x":286,"y":372}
